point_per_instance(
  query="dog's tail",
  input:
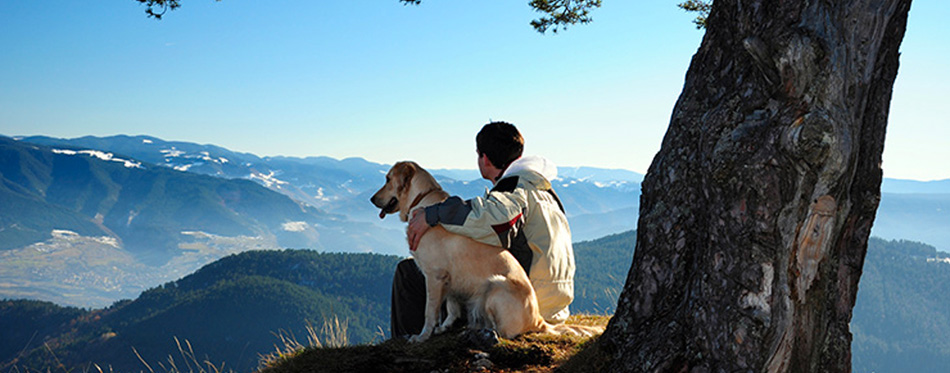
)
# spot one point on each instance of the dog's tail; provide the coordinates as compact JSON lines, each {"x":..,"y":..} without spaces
{"x":571,"y":329}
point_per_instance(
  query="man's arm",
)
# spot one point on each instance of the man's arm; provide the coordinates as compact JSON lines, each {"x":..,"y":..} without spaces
{"x":486,"y":219}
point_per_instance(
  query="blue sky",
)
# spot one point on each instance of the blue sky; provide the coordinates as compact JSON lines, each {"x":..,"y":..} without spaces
{"x":387,"y":82}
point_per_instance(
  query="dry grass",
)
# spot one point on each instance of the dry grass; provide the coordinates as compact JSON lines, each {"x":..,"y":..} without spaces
{"x":334,"y":332}
{"x":449,"y":352}
{"x":188,"y":362}
{"x":446,"y":353}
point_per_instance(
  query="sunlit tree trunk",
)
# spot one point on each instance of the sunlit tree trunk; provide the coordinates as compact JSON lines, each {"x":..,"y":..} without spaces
{"x":755,"y":214}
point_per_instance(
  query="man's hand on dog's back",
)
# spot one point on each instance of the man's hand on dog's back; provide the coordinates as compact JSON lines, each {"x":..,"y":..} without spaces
{"x":417,"y":227}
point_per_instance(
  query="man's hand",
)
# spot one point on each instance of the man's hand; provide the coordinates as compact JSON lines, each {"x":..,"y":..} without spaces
{"x":417,"y":227}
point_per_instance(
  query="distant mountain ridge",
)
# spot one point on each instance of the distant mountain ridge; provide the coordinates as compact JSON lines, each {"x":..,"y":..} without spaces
{"x":282,"y":174}
{"x":918,"y":217}
{"x":187,"y":224}
{"x":899,"y":186}
{"x":93,"y":224}
{"x":344,"y":186}
{"x":146,"y":206}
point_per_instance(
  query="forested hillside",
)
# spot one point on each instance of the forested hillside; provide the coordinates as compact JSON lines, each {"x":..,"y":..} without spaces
{"x":27,"y":323}
{"x":901,"y":319}
{"x":230,"y":310}
{"x":601,"y":271}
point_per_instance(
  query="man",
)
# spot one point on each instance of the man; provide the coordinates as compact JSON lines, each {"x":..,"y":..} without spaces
{"x":521,"y":213}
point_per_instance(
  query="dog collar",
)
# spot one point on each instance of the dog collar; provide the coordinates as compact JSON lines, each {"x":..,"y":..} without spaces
{"x":420,"y":197}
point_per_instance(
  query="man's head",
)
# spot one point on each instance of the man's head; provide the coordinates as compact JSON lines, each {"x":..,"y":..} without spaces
{"x":499,"y":143}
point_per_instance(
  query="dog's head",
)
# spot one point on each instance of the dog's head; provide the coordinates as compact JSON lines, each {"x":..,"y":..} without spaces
{"x":397,"y":193}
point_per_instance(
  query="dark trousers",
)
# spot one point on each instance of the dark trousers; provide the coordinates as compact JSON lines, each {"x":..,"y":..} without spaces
{"x":408,"y":299}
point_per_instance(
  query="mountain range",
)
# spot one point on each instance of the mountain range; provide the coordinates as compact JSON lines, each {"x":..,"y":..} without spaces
{"x":593,"y":197}
{"x":87,"y":227}
{"x":91,"y":220}
{"x":344,"y":186}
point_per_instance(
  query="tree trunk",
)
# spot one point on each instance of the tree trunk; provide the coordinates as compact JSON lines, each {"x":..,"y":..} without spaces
{"x":755,"y":214}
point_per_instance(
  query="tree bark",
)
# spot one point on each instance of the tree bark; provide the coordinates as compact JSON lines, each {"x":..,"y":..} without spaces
{"x":755,"y":214}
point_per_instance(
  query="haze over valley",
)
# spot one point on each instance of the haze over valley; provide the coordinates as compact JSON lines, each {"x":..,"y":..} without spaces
{"x":92,"y":220}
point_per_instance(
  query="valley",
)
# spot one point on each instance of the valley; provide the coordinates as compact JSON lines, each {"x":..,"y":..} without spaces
{"x":93,"y":220}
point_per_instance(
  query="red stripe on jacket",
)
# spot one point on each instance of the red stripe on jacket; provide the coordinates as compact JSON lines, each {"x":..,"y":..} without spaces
{"x":504,"y":227}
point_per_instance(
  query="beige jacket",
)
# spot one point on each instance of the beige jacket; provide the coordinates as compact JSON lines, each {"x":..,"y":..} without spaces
{"x":522,"y":214}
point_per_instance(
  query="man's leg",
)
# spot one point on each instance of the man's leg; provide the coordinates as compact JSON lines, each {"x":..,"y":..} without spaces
{"x":408,"y":300}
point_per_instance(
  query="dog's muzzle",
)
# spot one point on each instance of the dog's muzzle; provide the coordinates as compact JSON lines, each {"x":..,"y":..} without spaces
{"x":389,"y":208}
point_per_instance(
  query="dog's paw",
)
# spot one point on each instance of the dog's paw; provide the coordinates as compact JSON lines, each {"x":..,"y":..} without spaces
{"x":418,"y":338}
{"x":482,"y":338}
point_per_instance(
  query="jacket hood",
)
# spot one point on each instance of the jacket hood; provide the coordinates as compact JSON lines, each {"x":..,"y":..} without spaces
{"x":539,"y":165}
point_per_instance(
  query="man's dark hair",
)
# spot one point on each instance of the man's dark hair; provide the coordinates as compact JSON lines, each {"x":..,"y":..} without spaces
{"x":501,"y":141}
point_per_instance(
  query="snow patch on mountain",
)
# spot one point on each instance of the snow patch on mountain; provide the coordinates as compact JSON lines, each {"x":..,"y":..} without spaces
{"x":183,"y":161}
{"x":321,"y":195}
{"x":63,"y":234}
{"x":294,"y":226}
{"x":132,"y":215}
{"x":939,"y":260}
{"x":172,"y":153}
{"x":206,"y":157}
{"x":268,"y":180}
{"x":611,"y":184}
{"x":566,"y":183}
{"x":60,"y":236}
{"x":101,"y":155}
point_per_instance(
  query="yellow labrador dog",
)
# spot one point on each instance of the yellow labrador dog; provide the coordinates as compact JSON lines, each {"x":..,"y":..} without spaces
{"x":459,"y":270}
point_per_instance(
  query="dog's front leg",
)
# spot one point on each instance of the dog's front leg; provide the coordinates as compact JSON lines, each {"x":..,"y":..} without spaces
{"x":435,"y":293}
{"x":454,"y":309}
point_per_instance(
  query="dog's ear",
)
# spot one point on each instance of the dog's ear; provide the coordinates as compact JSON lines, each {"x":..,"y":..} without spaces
{"x":409,"y":171}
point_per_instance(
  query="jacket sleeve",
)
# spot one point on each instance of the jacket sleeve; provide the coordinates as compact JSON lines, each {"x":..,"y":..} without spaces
{"x":489,"y":219}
